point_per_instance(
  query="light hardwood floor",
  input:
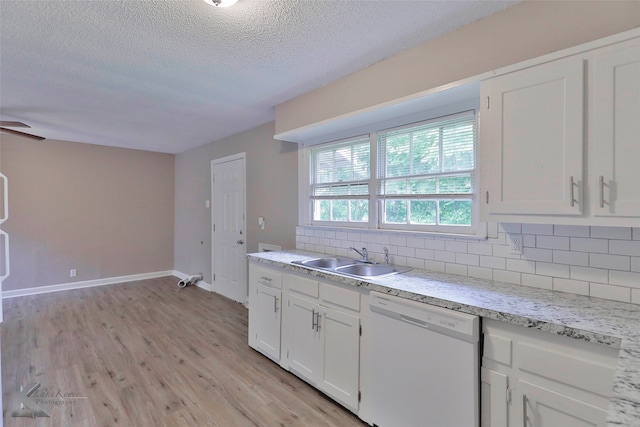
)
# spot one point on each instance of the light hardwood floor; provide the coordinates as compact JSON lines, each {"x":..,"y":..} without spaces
{"x":149,"y":354}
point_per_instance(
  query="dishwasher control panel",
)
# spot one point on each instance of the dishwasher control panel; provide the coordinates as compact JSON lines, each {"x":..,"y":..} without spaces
{"x":426,"y":315}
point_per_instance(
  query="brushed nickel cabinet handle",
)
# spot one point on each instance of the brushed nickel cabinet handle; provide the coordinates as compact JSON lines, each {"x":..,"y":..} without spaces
{"x":601,"y":185}
{"x":313,"y":319}
{"x":571,"y":192}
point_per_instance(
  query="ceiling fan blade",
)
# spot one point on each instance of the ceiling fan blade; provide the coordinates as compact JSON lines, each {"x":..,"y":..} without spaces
{"x":26,"y":135}
{"x":13,"y":124}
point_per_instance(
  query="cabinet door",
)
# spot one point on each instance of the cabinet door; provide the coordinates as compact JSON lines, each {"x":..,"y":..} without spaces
{"x":616,"y":133}
{"x":305,"y":344}
{"x":531,"y":140}
{"x":545,"y":408}
{"x":341,"y":361}
{"x":494,"y":398}
{"x":268,"y":321}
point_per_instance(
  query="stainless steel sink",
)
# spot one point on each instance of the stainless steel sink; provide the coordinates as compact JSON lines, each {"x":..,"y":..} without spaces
{"x":327,"y":263}
{"x":369,"y":270}
{"x":350,"y":267}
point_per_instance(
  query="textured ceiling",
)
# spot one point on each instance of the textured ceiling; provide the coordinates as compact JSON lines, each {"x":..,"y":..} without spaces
{"x":172,"y":75}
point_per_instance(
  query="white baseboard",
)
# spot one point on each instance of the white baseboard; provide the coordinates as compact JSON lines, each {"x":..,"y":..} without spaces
{"x":201,"y":284}
{"x":86,"y":284}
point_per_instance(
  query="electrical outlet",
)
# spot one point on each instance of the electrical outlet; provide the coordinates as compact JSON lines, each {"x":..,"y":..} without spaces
{"x":515,"y":244}
{"x":72,"y":272}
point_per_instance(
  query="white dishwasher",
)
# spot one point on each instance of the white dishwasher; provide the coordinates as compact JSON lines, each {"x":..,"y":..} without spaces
{"x":424,"y":364}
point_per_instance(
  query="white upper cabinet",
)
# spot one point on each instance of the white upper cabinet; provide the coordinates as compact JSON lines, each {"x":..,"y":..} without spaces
{"x":531,"y":130}
{"x":616,"y":132}
{"x":560,"y":141}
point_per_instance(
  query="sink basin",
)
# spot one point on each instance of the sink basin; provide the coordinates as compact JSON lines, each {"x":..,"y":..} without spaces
{"x":369,"y":270}
{"x":350,"y":267}
{"x":327,"y":263}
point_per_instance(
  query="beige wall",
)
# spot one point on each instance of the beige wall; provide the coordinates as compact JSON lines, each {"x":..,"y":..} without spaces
{"x":524,"y":31}
{"x":104,"y":211}
{"x":272,"y":192}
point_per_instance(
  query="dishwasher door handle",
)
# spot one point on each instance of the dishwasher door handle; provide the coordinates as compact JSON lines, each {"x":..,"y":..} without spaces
{"x":414,"y":321}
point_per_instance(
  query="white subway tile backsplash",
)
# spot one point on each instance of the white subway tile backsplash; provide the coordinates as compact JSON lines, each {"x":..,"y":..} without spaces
{"x":415,"y":263}
{"x":382,"y":239}
{"x":453,"y":246}
{"x":437,"y":245}
{"x":355,"y":237}
{"x":480,"y":248}
{"x":612,"y":262}
{"x":533,"y":280}
{"x":415,"y":242}
{"x":571,"y":230}
{"x":553,"y":270}
{"x":622,"y":233}
{"x":570,"y":285}
{"x":492,"y":262}
{"x":624,"y":278}
{"x":445,"y":256}
{"x":624,"y":247}
{"x":540,"y":229}
{"x":437,"y":266}
{"x":521,"y":266}
{"x":467,"y":259}
{"x":425,"y":253}
{"x":528,"y":241}
{"x":589,"y":245}
{"x":535,"y":254}
{"x":460,"y":270}
{"x":507,"y":276}
{"x":571,"y":258}
{"x":510,"y":228}
{"x":589,"y":274}
{"x":617,"y":293}
{"x":600,"y":261}
{"x":408,"y":252}
{"x":398,"y":240}
{"x":552,"y":242}
{"x":480,"y":272}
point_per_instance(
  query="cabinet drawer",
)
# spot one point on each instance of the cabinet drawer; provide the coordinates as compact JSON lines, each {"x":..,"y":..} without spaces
{"x":573,"y":370}
{"x":301,"y":285}
{"x":265,"y":276}
{"x":339,"y":297}
{"x":497,"y":348}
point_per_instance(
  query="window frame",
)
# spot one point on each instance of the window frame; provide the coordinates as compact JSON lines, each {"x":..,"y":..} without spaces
{"x":310,"y":184}
{"x":476,"y":229}
{"x":472,"y":196}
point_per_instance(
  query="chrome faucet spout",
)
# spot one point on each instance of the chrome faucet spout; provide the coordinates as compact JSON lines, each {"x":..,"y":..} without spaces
{"x":364,"y":254}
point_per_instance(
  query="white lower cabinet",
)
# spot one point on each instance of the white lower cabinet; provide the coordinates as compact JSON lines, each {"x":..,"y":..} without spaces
{"x":321,"y":337}
{"x":265,"y":310}
{"x":531,"y":378}
{"x":312,"y":329}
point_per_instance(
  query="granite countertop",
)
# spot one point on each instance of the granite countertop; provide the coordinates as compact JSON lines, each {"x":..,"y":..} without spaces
{"x":590,"y":319}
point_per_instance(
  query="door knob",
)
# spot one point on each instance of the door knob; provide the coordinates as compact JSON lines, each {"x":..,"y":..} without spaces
{"x":240,"y":242}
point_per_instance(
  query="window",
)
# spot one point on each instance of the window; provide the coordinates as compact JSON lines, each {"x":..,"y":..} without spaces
{"x":423,"y":178}
{"x":340,"y":174}
{"x":426,"y":171}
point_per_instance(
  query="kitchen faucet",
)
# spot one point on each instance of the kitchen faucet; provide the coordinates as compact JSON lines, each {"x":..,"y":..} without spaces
{"x":364,"y":254}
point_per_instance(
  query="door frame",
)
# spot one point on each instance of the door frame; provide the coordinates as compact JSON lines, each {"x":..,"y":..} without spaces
{"x":238,"y":156}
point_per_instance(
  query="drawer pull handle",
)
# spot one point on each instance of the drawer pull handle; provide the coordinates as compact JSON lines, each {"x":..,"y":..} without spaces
{"x":268,"y":279}
{"x":313,"y":319}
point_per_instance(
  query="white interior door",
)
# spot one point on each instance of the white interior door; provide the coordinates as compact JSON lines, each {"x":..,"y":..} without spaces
{"x":228,"y":219}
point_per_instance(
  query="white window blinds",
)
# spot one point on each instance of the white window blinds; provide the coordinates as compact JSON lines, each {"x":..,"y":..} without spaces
{"x":426,"y":171}
{"x":340,"y":175}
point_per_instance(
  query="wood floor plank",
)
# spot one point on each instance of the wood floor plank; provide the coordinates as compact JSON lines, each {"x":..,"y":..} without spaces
{"x":149,"y":354}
